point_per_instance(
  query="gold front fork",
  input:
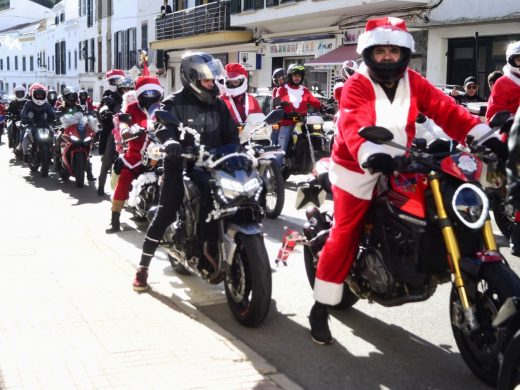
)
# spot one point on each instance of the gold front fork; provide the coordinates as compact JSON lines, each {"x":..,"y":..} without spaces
{"x":449,"y":238}
{"x":489,"y":237}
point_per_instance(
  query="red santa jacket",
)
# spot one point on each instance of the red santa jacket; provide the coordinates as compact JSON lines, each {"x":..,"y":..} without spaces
{"x":364,"y":103}
{"x":299,"y":97}
{"x":505,"y":95}
{"x":240,"y":107}
{"x":135,"y":147}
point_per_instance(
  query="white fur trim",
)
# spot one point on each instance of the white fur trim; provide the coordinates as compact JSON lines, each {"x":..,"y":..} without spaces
{"x":512,"y":73}
{"x":137,"y":185}
{"x":295,"y":95}
{"x":327,"y":292}
{"x":385,"y":36}
{"x":130,"y":166}
{"x":148,"y":87}
{"x":480,"y":130}
{"x":361,"y":185}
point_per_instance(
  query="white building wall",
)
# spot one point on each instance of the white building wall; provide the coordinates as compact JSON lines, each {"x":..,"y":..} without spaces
{"x":22,"y":11}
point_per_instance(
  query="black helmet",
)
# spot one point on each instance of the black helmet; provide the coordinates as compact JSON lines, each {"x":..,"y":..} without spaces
{"x":386,"y":72}
{"x":295,"y":69}
{"x":201,"y":66}
{"x":148,"y":98}
{"x":279,"y":72}
{"x":124,"y":84}
{"x":52,"y":96}
{"x":70,"y":96}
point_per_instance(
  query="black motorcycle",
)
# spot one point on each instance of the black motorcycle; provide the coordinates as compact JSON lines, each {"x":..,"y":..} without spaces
{"x":40,"y":147}
{"x":240,"y":258}
{"x":15,"y":133}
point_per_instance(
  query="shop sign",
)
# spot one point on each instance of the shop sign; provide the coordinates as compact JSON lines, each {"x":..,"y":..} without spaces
{"x":247,"y":59}
{"x":307,"y":48}
{"x":352,"y":35}
{"x":223,"y":57}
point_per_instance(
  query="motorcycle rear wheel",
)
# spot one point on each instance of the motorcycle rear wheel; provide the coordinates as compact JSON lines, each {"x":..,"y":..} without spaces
{"x":509,"y":377}
{"x":480,"y":349}
{"x":248,"y":284}
{"x":275,"y":189}
{"x":79,"y":164}
{"x":347,"y":300}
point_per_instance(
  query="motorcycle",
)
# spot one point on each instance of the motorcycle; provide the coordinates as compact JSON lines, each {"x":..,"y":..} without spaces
{"x":145,"y":188}
{"x":256,"y":135}
{"x":240,"y":259}
{"x":2,"y":125}
{"x":75,"y":146}
{"x":39,"y":151}
{"x":429,"y":226}
{"x":15,"y":134}
{"x":507,"y":321}
{"x":307,"y":145}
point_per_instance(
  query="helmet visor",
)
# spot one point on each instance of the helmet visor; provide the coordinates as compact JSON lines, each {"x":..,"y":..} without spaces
{"x":39,"y":94}
{"x":212,"y":70}
{"x":19,"y":94}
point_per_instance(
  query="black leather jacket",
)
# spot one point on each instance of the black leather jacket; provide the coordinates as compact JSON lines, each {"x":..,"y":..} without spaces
{"x":15,"y":108}
{"x":214,"y":122}
{"x":36,"y":115}
{"x":513,"y":163}
{"x":110,"y":104}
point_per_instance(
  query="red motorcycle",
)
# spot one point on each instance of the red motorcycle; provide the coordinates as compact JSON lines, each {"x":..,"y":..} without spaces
{"x":429,"y":225}
{"x":75,"y":144}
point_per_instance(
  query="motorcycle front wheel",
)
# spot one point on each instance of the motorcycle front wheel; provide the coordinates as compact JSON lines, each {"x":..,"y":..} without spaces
{"x":509,"y":377}
{"x":503,"y":220}
{"x":45,"y":159}
{"x":274,"y":188}
{"x":79,"y":164}
{"x":480,"y":348}
{"x":248,"y":283}
{"x":348,"y":298}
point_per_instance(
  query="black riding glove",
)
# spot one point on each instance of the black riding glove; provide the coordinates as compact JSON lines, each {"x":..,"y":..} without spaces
{"x":498,"y":147}
{"x":173,"y":149}
{"x":380,"y":162}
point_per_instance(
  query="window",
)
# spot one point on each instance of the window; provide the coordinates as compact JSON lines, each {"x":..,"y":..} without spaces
{"x":271,"y":3}
{"x":57,"y":49}
{"x":15,"y":62}
{"x":132,"y":48}
{"x":69,"y":55}
{"x":62,"y":17}
{"x":75,"y":60}
{"x":31,"y":63}
{"x":1,"y":64}
{"x":90,"y":13}
{"x":144,"y":36}
{"x":8,"y":64}
{"x":52,"y":63}
{"x":92,"y":55}
{"x":24,"y":64}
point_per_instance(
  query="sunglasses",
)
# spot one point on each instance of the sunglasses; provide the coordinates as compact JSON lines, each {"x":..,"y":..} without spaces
{"x":471,"y":87}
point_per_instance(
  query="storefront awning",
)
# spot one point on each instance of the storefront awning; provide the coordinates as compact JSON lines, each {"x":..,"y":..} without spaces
{"x":335,"y":57}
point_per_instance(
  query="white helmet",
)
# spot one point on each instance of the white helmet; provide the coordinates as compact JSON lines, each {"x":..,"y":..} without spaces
{"x":19,"y":92}
{"x":236,"y":72}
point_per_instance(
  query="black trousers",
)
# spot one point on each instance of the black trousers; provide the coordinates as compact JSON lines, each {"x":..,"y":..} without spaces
{"x":107,"y":159}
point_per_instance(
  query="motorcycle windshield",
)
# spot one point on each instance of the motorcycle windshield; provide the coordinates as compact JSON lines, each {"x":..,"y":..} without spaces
{"x":233,"y":163}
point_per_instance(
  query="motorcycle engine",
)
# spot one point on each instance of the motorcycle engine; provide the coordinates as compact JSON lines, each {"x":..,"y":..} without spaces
{"x":372,"y":268}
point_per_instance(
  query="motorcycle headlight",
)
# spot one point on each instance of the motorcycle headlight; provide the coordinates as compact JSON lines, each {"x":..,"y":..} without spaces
{"x":88,"y":139}
{"x":231,"y":188}
{"x":471,"y":205}
{"x":316,"y":127}
{"x":74,"y":138}
{"x":43,"y":133}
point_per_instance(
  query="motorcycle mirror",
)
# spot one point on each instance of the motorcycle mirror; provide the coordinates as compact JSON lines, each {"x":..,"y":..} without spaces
{"x":499,"y":118}
{"x":376,"y":134}
{"x":274,"y":117}
{"x":167,"y":118}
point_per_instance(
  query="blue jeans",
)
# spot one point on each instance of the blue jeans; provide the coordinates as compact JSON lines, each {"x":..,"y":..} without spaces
{"x":284,"y":136}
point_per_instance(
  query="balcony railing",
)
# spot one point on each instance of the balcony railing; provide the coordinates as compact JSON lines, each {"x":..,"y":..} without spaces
{"x":202,"y":19}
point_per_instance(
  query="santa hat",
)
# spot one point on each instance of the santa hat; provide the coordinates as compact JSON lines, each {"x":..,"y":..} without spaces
{"x":235,"y":71}
{"x":114,"y":74}
{"x":147,"y":83}
{"x":385,"y":31}
{"x":338,"y":89}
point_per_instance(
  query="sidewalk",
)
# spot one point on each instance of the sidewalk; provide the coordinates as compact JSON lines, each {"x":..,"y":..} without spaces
{"x":69,"y":318}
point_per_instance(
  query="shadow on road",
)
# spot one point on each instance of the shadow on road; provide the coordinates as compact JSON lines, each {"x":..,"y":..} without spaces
{"x":402,"y":360}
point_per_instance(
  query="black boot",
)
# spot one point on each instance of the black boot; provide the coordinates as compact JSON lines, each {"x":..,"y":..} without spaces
{"x":319,"y":320}
{"x":114,"y":224}
{"x":514,"y":239}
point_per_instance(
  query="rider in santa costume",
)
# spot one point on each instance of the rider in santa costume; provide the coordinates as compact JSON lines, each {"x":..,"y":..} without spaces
{"x":238,"y":101}
{"x":149,"y":93}
{"x":382,"y":92}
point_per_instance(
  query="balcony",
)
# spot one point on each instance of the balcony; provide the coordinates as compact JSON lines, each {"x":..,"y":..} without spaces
{"x":202,"y":26}
{"x":203,"y":19}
